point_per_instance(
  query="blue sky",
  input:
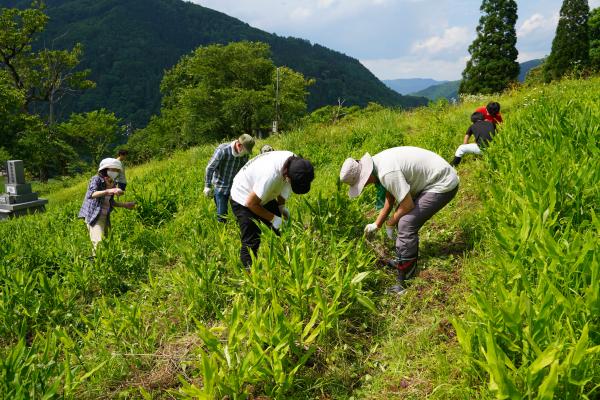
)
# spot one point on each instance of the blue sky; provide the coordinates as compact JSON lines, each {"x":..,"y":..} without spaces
{"x":396,"y":38}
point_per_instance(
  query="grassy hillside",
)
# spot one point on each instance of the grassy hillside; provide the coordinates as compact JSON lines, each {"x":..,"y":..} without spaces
{"x":129,"y":44}
{"x":506,"y":305}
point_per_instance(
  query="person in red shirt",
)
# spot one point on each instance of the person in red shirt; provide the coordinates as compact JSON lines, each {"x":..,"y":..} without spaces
{"x":491,"y":112}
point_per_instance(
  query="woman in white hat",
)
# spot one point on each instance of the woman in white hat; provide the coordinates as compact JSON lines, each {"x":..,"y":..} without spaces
{"x":419,"y":181}
{"x":99,"y":199}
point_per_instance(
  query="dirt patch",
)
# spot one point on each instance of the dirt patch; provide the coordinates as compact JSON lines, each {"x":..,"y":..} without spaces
{"x":167,"y":366}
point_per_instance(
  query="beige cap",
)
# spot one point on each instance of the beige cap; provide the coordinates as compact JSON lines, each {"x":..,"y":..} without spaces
{"x":356,"y":174}
{"x":247,"y":141}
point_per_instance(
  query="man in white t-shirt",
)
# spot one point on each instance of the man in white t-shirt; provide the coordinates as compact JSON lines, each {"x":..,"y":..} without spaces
{"x":419,"y":181}
{"x":260,"y":190}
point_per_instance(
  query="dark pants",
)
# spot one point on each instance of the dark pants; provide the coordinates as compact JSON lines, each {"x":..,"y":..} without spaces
{"x":426,"y":205}
{"x":249,"y":229}
{"x":221,"y":199}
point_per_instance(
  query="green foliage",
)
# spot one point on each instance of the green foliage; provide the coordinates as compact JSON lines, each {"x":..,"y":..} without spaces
{"x":93,"y":134}
{"x":44,"y":76}
{"x":594,"y":27}
{"x":571,"y":44}
{"x":493,"y":65}
{"x":31,"y":79}
{"x":222,"y":91}
{"x":535,"y":307}
{"x":46,"y":150}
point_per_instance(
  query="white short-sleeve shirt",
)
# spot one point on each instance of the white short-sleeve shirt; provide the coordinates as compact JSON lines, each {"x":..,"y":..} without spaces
{"x":263,"y":176}
{"x":406,"y":169}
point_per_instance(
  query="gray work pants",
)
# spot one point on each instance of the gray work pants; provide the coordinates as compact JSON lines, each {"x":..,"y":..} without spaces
{"x":426,"y":205}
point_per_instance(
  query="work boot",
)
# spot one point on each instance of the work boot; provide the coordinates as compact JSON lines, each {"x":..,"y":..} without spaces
{"x":456,"y":161}
{"x":407,"y":269}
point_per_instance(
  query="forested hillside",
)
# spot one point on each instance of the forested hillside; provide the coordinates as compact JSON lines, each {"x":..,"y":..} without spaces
{"x":129,"y":43}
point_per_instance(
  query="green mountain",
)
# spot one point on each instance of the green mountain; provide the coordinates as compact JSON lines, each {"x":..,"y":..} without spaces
{"x":448,"y":90}
{"x":526,"y":66}
{"x":129,"y":43}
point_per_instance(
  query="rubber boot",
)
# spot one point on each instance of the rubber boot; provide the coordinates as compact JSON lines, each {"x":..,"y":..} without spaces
{"x":407,"y":269}
{"x":456,"y":161}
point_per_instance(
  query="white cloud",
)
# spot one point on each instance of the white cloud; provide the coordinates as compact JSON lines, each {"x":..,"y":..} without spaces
{"x":300,"y":13}
{"x":537,"y":23}
{"x":531,"y":55}
{"x":453,"y":38}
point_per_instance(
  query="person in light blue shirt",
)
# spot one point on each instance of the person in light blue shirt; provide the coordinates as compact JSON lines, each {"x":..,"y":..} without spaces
{"x":224,"y":164}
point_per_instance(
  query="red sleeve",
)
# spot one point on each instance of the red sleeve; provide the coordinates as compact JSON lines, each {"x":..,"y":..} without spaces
{"x":499,"y":117}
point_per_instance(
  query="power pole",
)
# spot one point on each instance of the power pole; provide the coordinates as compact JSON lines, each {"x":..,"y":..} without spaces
{"x":276,"y":122}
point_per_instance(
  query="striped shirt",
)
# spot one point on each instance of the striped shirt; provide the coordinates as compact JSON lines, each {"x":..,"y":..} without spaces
{"x":223,"y":167}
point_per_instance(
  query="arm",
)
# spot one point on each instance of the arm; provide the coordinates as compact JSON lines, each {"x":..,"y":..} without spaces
{"x":467,"y":136}
{"x":106,"y":192}
{"x":212,"y":166}
{"x":97,"y":189}
{"x":405,"y":206}
{"x":253,"y":203}
{"x":385,"y":211}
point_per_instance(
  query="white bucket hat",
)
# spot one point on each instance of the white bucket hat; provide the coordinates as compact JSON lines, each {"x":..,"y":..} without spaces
{"x":110,"y":163}
{"x":356,"y":174}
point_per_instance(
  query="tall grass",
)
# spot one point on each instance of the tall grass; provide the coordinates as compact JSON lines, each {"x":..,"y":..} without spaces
{"x":533,"y":327}
{"x":300,"y":323}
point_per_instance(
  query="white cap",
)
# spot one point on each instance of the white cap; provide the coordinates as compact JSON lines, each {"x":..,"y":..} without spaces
{"x":356,"y":174}
{"x":110,"y":163}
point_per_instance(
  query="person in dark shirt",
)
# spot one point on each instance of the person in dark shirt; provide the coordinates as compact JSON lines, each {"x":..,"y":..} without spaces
{"x":482,"y":130}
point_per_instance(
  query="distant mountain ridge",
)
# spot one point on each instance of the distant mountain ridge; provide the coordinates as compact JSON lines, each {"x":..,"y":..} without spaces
{"x":449,"y":89}
{"x":411,"y":85}
{"x":128,"y":44}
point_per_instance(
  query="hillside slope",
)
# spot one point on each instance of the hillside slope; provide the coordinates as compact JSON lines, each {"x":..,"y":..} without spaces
{"x":128,"y":45}
{"x":166,"y":301}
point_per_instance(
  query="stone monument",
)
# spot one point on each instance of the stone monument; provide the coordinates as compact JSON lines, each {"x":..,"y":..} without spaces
{"x":19,"y":199}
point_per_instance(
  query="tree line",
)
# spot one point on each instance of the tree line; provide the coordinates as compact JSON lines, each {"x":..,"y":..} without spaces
{"x":493,"y":64}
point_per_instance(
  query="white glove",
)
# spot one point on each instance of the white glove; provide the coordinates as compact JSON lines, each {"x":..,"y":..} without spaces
{"x":207,"y":191}
{"x":371,"y":228}
{"x":285,"y":212}
{"x":390,"y":232}
{"x":276,"y":222}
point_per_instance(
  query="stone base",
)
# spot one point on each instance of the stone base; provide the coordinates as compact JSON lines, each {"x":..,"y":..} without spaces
{"x":19,"y":198}
{"x":17,"y":210}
